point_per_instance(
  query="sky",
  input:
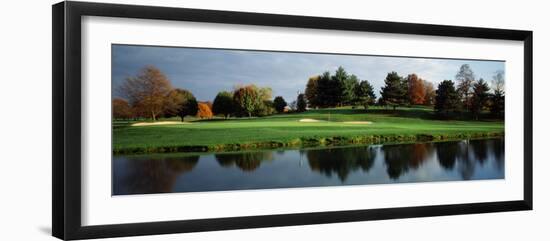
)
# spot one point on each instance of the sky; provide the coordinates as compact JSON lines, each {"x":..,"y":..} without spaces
{"x":205,"y":72}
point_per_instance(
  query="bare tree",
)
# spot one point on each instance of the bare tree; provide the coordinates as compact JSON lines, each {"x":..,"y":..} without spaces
{"x":498,"y":98}
{"x":465,"y":78}
{"x":148,"y":91}
{"x":498,"y":81}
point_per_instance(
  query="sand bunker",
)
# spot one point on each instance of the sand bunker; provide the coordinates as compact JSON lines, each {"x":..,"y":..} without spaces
{"x":308,"y":120}
{"x":345,"y":122}
{"x":160,"y":123}
{"x":358,"y":122}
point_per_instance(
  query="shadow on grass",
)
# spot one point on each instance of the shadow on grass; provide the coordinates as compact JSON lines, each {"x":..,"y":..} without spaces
{"x":416,"y":112}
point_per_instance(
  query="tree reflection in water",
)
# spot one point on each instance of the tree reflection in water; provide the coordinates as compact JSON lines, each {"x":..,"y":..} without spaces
{"x":400,"y":158}
{"x":453,"y":160}
{"x":156,"y":175}
{"x":446,"y":154}
{"x":246,"y":161}
{"x":480,"y":149}
{"x":466,"y":153}
{"x":497,"y":147}
{"x":341,"y":161}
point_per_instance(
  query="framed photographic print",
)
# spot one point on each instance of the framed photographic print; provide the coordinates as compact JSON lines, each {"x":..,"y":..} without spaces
{"x":170,"y":120}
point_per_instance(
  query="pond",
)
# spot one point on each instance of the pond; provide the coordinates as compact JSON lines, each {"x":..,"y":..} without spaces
{"x":313,"y":167}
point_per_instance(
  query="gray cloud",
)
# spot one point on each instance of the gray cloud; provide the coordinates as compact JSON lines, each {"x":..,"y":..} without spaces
{"x":205,"y":72}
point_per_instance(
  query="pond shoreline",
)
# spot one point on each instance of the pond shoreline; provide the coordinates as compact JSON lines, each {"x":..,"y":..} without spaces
{"x":307,"y":142}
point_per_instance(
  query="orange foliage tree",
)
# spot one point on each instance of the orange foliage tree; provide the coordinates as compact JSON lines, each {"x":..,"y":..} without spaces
{"x":429,"y":98}
{"x":121,"y":109}
{"x":417,"y":92}
{"x":204,"y":111}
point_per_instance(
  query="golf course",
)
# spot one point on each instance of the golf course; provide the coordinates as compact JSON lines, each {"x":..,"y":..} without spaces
{"x":314,"y":127}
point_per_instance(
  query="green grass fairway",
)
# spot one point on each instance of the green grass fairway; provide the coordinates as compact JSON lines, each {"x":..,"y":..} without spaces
{"x":404,"y":124}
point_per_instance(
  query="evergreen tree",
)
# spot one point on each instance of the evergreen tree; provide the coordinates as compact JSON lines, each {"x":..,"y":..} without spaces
{"x":327,"y":92}
{"x":446,"y":97}
{"x":348,"y":92}
{"x":339,"y":82}
{"x":394,"y":92}
{"x":497,"y":103}
{"x":364,"y":94}
{"x":480,"y":97}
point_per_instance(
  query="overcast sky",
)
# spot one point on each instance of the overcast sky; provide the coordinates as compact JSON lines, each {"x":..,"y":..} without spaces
{"x":205,"y":72}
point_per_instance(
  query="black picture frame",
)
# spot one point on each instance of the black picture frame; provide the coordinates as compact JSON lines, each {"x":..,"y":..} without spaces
{"x":66,"y":127}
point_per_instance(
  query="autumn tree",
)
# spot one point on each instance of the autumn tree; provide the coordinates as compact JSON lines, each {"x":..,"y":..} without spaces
{"x":301,"y":103}
{"x":121,"y":109}
{"x":209,"y":104}
{"x":465,"y":78}
{"x":364,"y":94}
{"x":138,"y":112}
{"x":446,"y":97}
{"x":429,"y":98}
{"x":204,"y":111}
{"x":224,"y":104}
{"x":265,"y":108}
{"x":480,"y":97}
{"x":264,"y":93}
{"x":265,"y":103}
{"x":279,"y":103}
{"x":247,"y":98}
{"x":312,"y":91}
{"x":394,"y":92}
{"x":148,"y":90}
{"x":417,"y":91}
{"x":497,"y":98}
{"x":181,"y":102}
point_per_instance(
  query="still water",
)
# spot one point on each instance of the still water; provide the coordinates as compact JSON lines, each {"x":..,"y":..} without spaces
{"x":326,"y":166}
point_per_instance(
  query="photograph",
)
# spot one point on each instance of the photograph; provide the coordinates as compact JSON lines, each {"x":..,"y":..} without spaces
{"x":188,"y":119}
{"x":275,"y":120}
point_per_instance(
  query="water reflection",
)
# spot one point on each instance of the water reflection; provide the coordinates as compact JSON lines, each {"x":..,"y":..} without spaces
{"x":248,"y":161}
{"x":400,"y":158}
{"x":329,"y":166}
{"x":153,"y":175}
{"x":446,"y":154}
{"x":341,"y":161}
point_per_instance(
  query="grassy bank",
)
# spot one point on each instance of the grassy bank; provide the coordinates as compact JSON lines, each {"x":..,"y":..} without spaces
{"x":332,"y":127}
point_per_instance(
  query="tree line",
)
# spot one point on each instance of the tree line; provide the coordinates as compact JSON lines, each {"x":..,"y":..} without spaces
{"x":470,"y":95}
{"x":341,"y":89}
{"x":338,"y":89}
{"x":150,"y":95}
